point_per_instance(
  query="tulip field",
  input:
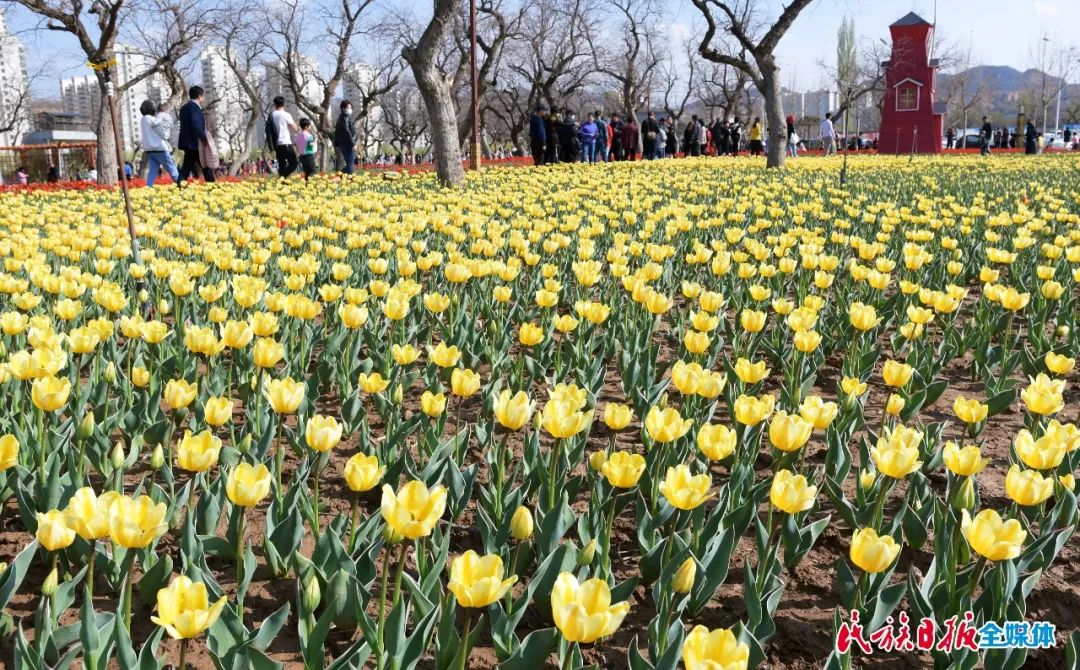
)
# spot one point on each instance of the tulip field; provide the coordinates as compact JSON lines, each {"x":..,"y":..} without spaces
{"x":674,"y":414}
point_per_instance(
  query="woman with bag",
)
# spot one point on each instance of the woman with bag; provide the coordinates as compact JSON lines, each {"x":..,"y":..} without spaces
{"x":792,"y":138}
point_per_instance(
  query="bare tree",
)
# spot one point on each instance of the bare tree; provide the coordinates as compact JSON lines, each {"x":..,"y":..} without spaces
{"x":738,"y":20}
{"x":966,"y":90}
{"x":723,"y":89}
{"x":369,"y":85}
{"x":240,"y":44}
{"x":403,"y":115}
{"x":679,"y":91}
{"x":435,"y":88}
{"x":15,"y":112}
{"x":635,"y":61}
{"x":1053,"y":61}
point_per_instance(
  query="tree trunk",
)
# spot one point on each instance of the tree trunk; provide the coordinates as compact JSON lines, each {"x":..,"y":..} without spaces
{"x":107,"y":168}
{"x":248,"y":146}
{"x":774,"y":113}
{"x":442,"y":123}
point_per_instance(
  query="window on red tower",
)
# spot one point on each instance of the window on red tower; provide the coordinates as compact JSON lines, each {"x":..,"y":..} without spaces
{"x":907,"y":98}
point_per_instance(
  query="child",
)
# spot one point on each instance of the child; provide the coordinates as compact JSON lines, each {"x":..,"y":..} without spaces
{"x":305,"y":147}
{"x":156,"y":126}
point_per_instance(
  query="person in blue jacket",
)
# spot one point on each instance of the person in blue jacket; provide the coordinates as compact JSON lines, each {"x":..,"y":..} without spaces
{"x":538,"y":135}
{"x":192,"y":132}
{"x":587,"y":134}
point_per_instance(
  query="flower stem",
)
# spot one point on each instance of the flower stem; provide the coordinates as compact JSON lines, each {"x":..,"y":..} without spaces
{"x":315,"y":501}
{"x":382,"y":608}
{"x":465,"y":640}
{"x":183,"y":654}
{"x":353,"y":516}
{"x":240,"y":563}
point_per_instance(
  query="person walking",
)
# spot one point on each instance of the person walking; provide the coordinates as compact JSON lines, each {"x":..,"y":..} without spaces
{"x":690,"y":146}
{"x":538,"y":135}
{"x":551,"y":123}
{"x":671,"y":147}
{"x":279,"y":128}
{"x":792,"y":137}
{"x":616,"y":127}
{"x":155,"y":128}
{"x":950,"y":138}
{"x":345,"y":138}
{"x":587,"y":137}
{"x":828,"y":135}
{"x":568,"y":140}
{"x":1031,"y":138}
{"x":630,"y":138}
{"x":986,"y":132}
{"x":734,"y":136}
{"x":661,"y":140}
{"x":603,"y":139}
{"x":192,"y":133}
{"x":305,"y":148}
{"x":701,"y":137}
{"x":756,"y":146}
{"x":650,"y":134}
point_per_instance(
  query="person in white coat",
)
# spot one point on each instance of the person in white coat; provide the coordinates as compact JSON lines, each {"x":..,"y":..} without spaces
{"x":156,"y":127}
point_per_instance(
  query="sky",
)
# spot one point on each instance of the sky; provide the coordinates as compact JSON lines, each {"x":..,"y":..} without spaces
{"x":995,"y":32}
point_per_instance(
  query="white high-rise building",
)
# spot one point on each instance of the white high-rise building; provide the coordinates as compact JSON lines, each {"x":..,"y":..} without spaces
{"x":277,"y":83}
{"x":226,"y":101}
{"x":14,"y":88}
{"x":80,"y":95}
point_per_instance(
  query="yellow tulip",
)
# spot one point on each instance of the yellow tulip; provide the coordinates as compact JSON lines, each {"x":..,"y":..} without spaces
{"x":140,"y":377}
{"x":353,"y":316}
{"x":683,"y":579}
{"x":666,"y":425}
{"x":752,"y":321}
{"x":433,"y":404}
{"x":530,"y":334}
{"x":521,"y":524}
{"x":562,"y":418}
{"x":750,"y":373}
{"x":969,"y":410}
{"x":136,"y":522}
{"x":50,"y":394}
{"x":790,"y":493}
{"x":477,"y":581}
{"x":285,"y":395}
{"x":88,"y":514}
{"x":806,"y":341}
{"x":622,"y":469}
{"x":717,"y":649}
{"x":268,"y":352}
{"x":513,"y":411}
{"x":444,"y":356}
{"x":184,"y":609}
{"x":897,"y":374}
{"x":716,"y":441}
{"x":991,"y":537}
{"x":53,"y":531}
{"x":414,"y":510}
{"x":218,"y":411}
{"x":1059,"y":364}
{"x":583,"y":611}
{"x":1027,"y":487}
{"x":179,"y":393}
{"x":248,"y":484}
{"x":852,"y":387}
{"x":863,"y":317}
{"x":684,"y":490}
{"x":1046,"y":453}
{"x":871,"y":552}
{"x":818,"y":412}
{"x":1044,"y":395}
{"x":789,"y":432}
{"x":9,"y":451}
{"x":895,"y":404}
{"x":372,"y":382}
{"x":363,"y":472}
{"x":236,"y":334}
{"x":896,"y":454}
{"x":964,"y":462}
{"x":751,"y":410}
{"x":404,"y":354}
{"x":695,"y":342}
{"x":464,"y":382}
{"x":617,"y":417}
{"x":323,"y":433}
{"x":198,"y":453}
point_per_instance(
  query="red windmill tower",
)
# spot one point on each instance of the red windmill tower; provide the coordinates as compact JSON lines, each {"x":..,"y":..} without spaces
{"x":910,"y":119}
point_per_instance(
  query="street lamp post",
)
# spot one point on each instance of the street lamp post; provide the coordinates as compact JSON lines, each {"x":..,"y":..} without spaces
{"x":474,"y":155}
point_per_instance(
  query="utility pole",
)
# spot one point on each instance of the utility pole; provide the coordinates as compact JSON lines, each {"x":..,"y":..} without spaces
{"x":1042,"y":94}
{"x":474,"y":155}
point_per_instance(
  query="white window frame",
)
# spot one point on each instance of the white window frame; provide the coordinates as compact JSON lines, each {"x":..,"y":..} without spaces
{"x":918,"y":94}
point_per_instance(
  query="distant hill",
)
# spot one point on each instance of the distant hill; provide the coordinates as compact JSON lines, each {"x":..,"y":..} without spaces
{"x":1005,"y":89}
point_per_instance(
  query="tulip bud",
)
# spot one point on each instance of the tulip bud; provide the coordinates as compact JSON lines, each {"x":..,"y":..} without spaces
{"x":536,"y":420}
{"x":683,"y":581}
{"x":312,"y":592}
{"x":164,"y":307}
{"x":110,"y":373}
{"x":391,"y":536}
{"x":143,"y":295}
{"x":586,"y":555}
{"x":965,"y":499}
{"x":244,"y":445}
{"x":597,"y":459}
{"x":3,"y":567}
{"x":1062,"y":331}
{"x":48,"y":587}
{"x":867,"y":479}
{"x":521,"y":524}
{"x":1067,"y":481}
{"x":397,"y":395}
{"x":157,"y":458}
{"x":118,"y":456}
{"x":663,"y":401}
{"x":86,"y":427}
{"x":895,"y":405}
